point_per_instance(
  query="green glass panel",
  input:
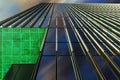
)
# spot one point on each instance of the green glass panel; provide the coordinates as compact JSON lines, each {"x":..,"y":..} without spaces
{"x":19,"y":46}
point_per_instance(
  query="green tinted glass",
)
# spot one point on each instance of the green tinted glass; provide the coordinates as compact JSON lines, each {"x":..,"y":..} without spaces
{"x":19,"y":46}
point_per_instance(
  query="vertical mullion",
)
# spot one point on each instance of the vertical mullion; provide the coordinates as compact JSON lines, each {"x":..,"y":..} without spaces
{"x":56,"y":48}
{"x":88,"y":53}
{"x":116,"y":68}
{"x":46,"y":12}
{"x":73,"y":59}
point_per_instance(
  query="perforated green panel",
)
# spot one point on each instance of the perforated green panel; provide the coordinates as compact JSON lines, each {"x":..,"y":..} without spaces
{"x":19,"y":46}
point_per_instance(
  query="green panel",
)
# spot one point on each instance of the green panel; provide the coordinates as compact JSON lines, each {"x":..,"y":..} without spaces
{"x":19,"y":46}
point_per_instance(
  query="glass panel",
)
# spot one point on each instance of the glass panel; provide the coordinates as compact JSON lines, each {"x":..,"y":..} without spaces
{"x":45,"y":23}
{"x":67,"y":23}
{"x":116,"y":59}
{"x":61,"y":35}
{"x":47,"y":68}
{"x":82,"y":35}
{"x":53,"y":22}
{"x":65,"y":69}
{"x":86,"y":70}
{"x":63,"y":49}
{"x":72,"y":36}
{"x":91,"y":49}
{"x":49,"y":49}
{"x":77,"y":49}
{"x":60,"y":22}
{"x":51,"y":35}
{"x":106,"y":70}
